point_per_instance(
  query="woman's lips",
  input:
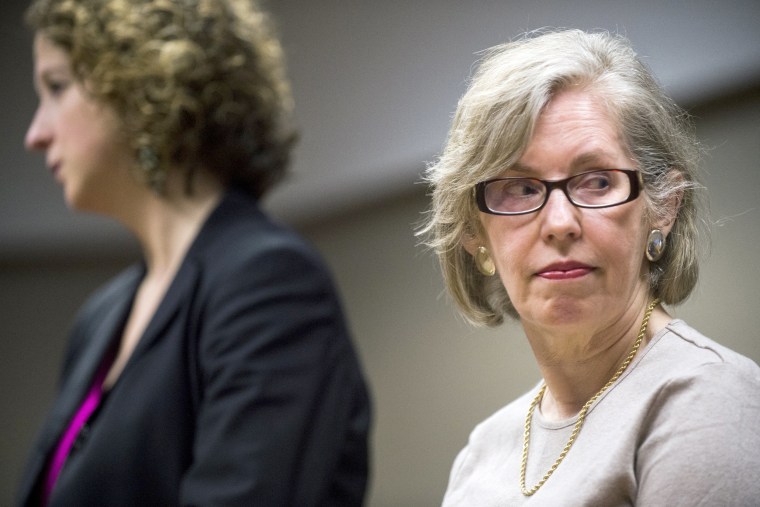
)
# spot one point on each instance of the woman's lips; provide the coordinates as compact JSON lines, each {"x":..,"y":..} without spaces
{"x":564,"y":271}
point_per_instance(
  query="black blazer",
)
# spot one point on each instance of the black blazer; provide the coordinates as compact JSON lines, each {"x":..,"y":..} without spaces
{"x":243,"y":390}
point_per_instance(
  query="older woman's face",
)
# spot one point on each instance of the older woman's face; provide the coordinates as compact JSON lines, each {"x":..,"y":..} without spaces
{"x":566,"y":266}
{"x":79,"y":137}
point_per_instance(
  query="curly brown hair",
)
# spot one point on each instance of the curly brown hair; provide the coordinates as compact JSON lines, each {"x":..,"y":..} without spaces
{"x":196,"y":83}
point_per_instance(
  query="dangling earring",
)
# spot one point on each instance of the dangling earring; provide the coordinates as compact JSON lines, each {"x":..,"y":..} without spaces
{"x":484,"y":262}
{"x":655,"y":245}
{"x":152,"y":172}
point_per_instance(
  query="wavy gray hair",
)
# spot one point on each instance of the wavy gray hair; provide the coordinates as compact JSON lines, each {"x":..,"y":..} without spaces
{"x":494,"y":122}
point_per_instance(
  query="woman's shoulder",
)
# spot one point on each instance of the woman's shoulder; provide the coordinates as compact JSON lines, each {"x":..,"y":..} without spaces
{"x":243,"y":258}
{"x":690,"y":375}
{"x":694,"y":354}
{"x":238,"y":235}
{"x":702,"y":418}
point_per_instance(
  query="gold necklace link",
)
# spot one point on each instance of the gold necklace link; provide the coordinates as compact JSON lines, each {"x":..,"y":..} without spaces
{"x":581,"y":414}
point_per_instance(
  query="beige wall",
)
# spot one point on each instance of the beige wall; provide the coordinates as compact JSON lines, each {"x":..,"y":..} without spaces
{"x":433,"y":376}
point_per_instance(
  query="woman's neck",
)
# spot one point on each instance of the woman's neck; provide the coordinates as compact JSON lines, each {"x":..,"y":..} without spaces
{"x":165,"y":225}
{"x":576,"y":366}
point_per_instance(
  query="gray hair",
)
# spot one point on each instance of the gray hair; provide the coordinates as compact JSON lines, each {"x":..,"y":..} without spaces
{"x":494,"y":122}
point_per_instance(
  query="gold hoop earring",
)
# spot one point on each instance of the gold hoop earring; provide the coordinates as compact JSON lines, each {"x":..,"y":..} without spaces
{"x":484,"y":262}
{"x":655,"y":245}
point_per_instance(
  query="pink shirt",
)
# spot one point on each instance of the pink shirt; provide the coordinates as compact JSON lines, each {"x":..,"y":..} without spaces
{"x":82,"y":415}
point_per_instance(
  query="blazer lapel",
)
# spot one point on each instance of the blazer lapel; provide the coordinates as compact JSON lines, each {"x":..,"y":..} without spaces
{"x":185,"y":281}
{"x":180,"y":291}
{"x":108,"y":322}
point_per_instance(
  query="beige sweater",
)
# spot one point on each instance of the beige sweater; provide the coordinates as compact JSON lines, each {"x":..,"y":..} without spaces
{"x":681,"y":427}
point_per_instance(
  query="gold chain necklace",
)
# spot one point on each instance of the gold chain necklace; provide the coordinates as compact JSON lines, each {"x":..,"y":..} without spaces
{"x":581,"y":414}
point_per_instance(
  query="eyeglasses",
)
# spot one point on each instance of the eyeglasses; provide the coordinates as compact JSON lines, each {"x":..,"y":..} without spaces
{"x":592,"y":189}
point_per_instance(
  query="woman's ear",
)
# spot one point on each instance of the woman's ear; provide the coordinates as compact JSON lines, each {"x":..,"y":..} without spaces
{"x":475,"y":246}
{"x":667,"y":217}
{"x":470,"y":242}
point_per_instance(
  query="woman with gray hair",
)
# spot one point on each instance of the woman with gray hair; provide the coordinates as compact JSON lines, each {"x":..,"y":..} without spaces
{"x":567,"y":197}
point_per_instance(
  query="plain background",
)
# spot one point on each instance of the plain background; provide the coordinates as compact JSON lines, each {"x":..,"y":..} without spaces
{"x":375,"y":85}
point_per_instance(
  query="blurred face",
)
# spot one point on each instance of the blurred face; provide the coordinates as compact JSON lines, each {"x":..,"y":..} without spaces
{"x":79,"y":137}
{"x":565,"y":267}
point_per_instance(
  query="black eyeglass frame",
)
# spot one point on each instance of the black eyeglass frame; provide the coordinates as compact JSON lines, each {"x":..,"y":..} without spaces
{"x":634,"y":178}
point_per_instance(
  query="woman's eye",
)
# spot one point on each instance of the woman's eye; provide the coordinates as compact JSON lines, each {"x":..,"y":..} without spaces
{"x":595,"y":182}
{"x":521,"y":189}
{"x":600,"y":182}
{"x":56,"y":87}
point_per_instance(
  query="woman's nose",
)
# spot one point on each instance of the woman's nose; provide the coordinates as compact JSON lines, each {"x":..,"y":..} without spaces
{"x":39,"y":134}
{"x":560,"y":217}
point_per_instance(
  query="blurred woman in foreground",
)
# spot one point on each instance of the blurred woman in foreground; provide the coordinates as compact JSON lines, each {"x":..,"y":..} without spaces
{"x":219,"y":370}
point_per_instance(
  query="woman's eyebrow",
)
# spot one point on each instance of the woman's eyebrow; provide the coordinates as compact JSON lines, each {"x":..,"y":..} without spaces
{"x":599,"y":157}
{"x":52,"y":71}
{"x":522,"y":169}
{"x":591,"y":157}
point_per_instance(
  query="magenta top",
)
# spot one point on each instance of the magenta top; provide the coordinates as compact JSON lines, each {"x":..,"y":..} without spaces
{"x":82,"y":415}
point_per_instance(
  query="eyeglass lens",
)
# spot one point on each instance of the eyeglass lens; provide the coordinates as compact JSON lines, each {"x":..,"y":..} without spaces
{"x":591,"y":189}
